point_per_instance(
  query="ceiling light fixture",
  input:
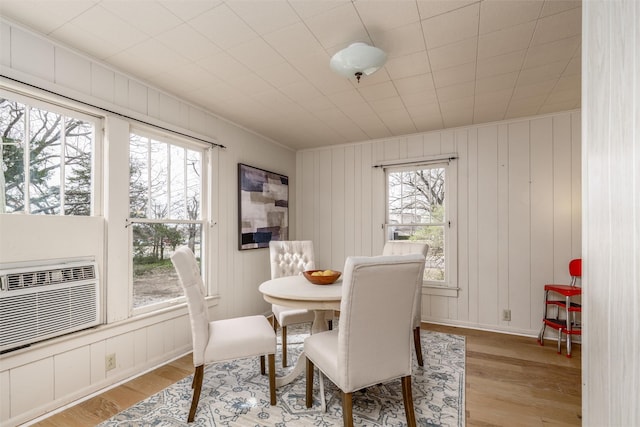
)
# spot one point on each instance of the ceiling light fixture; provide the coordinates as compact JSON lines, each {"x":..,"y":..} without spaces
{"x":358,"y":59}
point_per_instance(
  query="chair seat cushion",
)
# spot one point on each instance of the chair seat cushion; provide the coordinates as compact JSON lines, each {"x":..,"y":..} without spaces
{"x":290,"y":316}
{"x":238,"y":338}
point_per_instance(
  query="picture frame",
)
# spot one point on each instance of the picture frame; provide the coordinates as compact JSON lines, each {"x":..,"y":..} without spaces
{"x":263,"y":207}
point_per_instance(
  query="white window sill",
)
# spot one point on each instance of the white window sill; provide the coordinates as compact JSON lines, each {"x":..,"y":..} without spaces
{"x":441,"y":291}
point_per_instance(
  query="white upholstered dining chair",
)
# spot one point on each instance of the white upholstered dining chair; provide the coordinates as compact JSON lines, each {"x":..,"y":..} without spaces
{"x":290,"y":258}
{"x":221,"y":340}
{"x":373,"y":341}
{"x":404,"y":248}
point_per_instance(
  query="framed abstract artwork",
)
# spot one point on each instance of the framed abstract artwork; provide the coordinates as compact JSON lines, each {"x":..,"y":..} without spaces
{"x":263,"y":207}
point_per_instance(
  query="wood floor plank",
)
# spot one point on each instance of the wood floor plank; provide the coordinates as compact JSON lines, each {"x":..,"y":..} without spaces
{"x":510,"y":381}
{"x":513,"y":381}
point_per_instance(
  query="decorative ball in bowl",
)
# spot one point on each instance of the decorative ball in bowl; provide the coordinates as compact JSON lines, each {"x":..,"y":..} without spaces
{"x":322,"y":277}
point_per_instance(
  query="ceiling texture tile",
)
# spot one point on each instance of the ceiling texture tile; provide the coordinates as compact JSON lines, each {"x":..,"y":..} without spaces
{"x":264,"y":64}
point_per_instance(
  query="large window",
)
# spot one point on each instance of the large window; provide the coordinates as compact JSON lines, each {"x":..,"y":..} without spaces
{"x":166,"y":200}
{"x":47,"y":162}
{"x":421,"y":207}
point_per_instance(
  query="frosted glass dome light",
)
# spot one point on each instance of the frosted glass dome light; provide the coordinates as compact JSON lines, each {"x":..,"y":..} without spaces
{"x":358,"y":59}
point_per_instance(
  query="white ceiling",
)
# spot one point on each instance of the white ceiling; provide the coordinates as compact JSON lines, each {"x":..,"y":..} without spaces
{"x":264,"y":64}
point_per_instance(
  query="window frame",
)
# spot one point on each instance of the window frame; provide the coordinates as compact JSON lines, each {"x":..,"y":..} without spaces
{"x":204,"y":220}
{"x":66,"y":110}
{"x":448,"y":287}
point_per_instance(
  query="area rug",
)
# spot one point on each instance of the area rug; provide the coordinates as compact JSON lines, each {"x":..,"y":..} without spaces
{"x":235,"y":394}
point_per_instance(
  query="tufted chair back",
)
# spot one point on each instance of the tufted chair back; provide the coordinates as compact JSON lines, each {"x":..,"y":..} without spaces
{"x":290,"y":258}
{"x":189,"y":272}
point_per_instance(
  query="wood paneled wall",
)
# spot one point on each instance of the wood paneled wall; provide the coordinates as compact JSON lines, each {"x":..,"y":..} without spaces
{"x":611,"y":179}
{"x":71,"y":367}
{"x":519,"y":212}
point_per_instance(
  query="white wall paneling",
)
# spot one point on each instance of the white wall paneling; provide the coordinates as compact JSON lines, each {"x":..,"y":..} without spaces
{"x":519,"y":225}
{"x":77,"y":361}
{"x":503,"y":219}
{"x":487,"y":214}
{"x":611,"y":205}
{"x":516,"y":212}
{"x":471,"y":239}
{"x":71,"y":367}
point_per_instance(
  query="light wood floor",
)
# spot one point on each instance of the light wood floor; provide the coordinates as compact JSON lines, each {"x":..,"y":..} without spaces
{"x":510,"y":381}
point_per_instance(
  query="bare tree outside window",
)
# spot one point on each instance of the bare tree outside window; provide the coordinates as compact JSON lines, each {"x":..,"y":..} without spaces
{"x":416,"y":212}
{"x":57,"y":148}
{"x":165,"y":197}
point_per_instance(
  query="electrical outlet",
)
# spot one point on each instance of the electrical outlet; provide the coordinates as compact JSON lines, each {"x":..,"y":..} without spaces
{"x":110,"y":361}
{"x":506,"y":315}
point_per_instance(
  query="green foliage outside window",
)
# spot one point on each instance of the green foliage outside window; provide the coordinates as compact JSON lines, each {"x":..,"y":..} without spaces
{"x":58,"y":151}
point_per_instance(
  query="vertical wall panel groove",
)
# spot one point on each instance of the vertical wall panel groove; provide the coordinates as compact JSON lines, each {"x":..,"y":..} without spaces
{"x":338,"y":212}
{"x":349,"y":202}
{"x":472,"y":239}
{"x":503,"y":219}
{"x":463,"y":225}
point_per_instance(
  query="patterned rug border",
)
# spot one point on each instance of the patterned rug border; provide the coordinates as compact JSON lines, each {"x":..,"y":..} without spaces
{"x":235,"y":394}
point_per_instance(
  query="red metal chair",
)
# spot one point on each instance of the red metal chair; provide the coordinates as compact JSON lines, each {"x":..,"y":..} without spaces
{"x":568,"y":326}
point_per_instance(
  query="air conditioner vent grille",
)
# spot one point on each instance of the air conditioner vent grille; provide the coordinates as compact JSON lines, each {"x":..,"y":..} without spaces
{"x":46,"y":314}
{"x":15,"y":281}
{"x":46,"y":301}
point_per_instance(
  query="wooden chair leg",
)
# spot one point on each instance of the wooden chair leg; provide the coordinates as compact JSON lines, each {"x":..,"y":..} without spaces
{"x":197,"y":387}
{"x":262,"y":371}
{"x":284,"y":346}
{"x":309,"y":385}
{"x":408,"y":401}
{"x":416,"y":344}
{"x":272,"y":377}
{"x":347,"y":409}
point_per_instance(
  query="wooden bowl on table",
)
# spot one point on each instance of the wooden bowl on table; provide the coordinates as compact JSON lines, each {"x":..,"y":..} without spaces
{"x":322,"y":280}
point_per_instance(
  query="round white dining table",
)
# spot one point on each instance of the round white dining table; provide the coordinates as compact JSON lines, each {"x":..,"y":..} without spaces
{"x":298,"y":292}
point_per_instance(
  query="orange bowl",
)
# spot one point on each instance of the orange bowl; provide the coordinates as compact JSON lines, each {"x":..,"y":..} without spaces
{"x":321,"y":280}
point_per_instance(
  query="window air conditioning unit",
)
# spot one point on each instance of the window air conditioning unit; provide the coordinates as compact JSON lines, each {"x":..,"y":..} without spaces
{"x":39,"y":302}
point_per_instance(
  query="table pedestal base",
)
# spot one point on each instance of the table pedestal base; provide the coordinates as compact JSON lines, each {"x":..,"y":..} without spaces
{"x":319,"y":325}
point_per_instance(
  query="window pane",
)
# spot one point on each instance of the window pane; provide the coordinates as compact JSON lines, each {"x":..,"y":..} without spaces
{"x":58,"y":148}
{"x":433,"y":235}
{"x":77,"y":171}
{"x":416,"y":211}
{"x":154,"y":278}
{"x":12,"y":159}
{"x":138,"y":177}
{"x":44,"y":166}
{"x":194,"y":184}
{"x":159,"y":179}
{"x":416,"y":196}
{"x":177,"y":182}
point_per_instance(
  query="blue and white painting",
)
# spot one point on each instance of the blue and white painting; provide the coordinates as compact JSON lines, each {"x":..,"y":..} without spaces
{"x":263,"y":207}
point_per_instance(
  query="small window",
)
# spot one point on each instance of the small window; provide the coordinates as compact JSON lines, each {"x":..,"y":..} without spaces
{"x":47,"y":158}
{"x":165,"y":204}
{"x":420,"y":208}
